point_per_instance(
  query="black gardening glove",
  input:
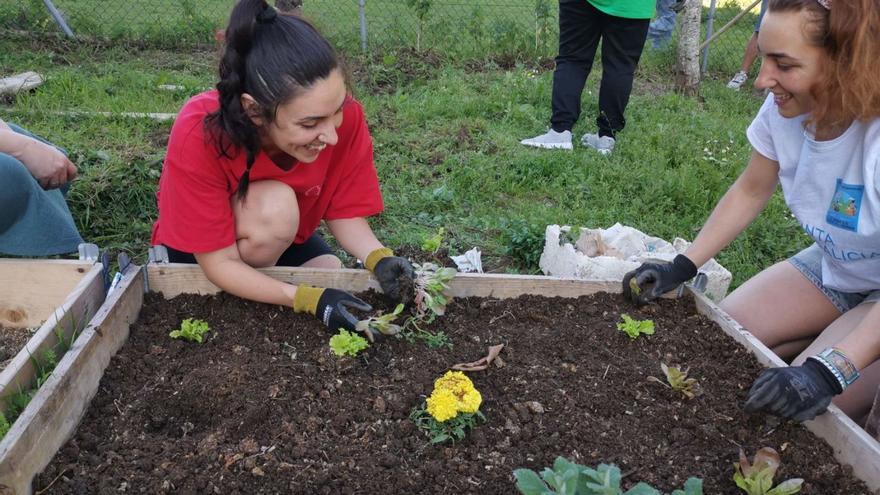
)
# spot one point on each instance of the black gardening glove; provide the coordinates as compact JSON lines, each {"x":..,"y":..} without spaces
{"x":678,"y":6}
{"x":395,"y":274}
{"x":331,"y":306}
{"x":652,"y":280}
{"x":796,"y":392}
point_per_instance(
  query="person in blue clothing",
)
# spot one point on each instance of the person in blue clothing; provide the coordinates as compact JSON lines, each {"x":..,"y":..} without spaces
{"x":35,"y":176}
{"x":661,"y":28}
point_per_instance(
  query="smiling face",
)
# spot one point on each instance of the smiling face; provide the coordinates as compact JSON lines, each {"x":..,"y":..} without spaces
{"x":791,"y":64}
{"x":307,"y":123}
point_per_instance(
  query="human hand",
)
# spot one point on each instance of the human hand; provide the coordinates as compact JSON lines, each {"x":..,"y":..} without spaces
{"x":50,"y":167}
{"x":678,"y":6}
{"x":796,"y":392}
{"x":652,"y":280}
{"x":330,"y":306}
{"x":395,"y":274}
{"x":396,"y":277}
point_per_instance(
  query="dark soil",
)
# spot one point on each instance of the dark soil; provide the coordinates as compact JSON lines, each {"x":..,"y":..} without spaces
{"x":264,"y":407}
{"x":11,"y":342}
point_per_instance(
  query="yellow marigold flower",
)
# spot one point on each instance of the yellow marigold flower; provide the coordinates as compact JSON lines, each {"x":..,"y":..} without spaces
{"x":470,"y":402}
{"x":454,"y":381}
{"x":468,"y":399}
{"x":442,"y":405}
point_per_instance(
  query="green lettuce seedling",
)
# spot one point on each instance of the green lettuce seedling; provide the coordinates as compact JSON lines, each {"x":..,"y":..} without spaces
{"x":347,"y":343}
{"x":191,"y":330}
{"x":634,"y":286}
{"x":380,"y":324}
{"x":634,"y":328}
{"x":569,"y":478}
{"x":757,"y":478}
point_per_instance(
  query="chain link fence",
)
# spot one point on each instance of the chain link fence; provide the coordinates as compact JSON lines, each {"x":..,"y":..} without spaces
{"x":458,"y":29}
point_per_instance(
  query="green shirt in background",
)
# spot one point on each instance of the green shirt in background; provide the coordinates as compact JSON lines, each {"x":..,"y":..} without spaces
{"x":630,"y":9}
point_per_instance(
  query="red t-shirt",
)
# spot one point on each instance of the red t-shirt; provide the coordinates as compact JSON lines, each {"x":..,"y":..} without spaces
{"x":197,"y":184}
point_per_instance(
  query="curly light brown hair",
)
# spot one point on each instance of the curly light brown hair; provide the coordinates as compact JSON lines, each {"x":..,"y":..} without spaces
{"x":849,"y":33}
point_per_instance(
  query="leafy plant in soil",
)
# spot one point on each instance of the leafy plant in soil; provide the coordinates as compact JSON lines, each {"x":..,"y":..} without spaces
{"x":347,"y":343}
{"x":191,"y":330}
{"x":452,"y":409}
{"x":678,"y":380}
{"x":634,"y":328}
{"x":757,"y":478}
{"x":383,"y":324}
{"x":570,"y":478}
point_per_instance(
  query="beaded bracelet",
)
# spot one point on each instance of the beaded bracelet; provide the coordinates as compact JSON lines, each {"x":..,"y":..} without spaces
{"x":839,"y":365}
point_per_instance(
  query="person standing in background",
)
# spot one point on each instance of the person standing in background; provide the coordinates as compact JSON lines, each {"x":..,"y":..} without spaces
{"x":622,"y":27}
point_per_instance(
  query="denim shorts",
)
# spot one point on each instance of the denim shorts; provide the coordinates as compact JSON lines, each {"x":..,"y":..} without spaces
{"x":809,"y":263}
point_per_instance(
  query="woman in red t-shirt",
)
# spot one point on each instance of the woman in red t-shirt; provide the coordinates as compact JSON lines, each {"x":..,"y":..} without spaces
{"x":254,"y":166}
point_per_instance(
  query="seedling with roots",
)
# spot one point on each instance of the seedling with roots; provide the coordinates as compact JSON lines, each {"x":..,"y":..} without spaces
{"x":432,"y":283}
{"x":383,"y":324}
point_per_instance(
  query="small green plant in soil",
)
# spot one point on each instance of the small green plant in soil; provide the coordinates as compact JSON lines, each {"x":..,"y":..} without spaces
{"x":346,"y":343}
{"x":383,"y":324}
{"x":4,"y":425}
{"x":634,"y":328}
{"x":432,"y":244}
{"x":678,"y":380}
{"x":570,"y":478}
{"x":757,"y":478}
{"x":452,"y":409}
{"x":192,"y":330}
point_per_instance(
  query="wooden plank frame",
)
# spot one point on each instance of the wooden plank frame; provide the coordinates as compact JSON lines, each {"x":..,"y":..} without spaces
{"x":55,"y":411}
{"x":109,"y":329}
{"x":59,"y":296}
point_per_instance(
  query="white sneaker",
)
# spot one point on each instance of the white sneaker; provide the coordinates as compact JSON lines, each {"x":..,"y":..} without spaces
{"x":550,"y":140}
{"x":738,"y":80}
{"x":604,"y":144}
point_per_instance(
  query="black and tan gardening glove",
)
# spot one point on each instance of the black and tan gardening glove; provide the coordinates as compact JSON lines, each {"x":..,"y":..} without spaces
{"x":395,"y":274}
{"x":652,"y":280}
{"x":802,"y":392}
{"x":331,"y":306}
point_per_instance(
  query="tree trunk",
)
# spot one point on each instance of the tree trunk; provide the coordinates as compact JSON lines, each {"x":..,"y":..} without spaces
{"x":687,"y":71}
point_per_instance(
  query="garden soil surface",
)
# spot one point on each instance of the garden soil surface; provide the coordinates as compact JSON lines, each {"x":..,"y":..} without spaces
{"x":264,"y":407}
{"x":11,"y":342}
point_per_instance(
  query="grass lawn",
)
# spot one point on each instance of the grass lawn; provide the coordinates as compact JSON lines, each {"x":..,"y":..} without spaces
{"x":446,"y":141}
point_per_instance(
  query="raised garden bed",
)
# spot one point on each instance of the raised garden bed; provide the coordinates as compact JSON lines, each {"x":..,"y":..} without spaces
{"x":263,"y":406}
{"x":44,"y":304}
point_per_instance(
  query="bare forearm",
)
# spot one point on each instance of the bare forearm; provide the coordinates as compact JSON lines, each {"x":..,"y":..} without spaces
{"x":242,"y":280}
{"x":862,"y":345}
{"x":11,"y":142}
{"x":355,"y":236}
{"x":739,"y":206}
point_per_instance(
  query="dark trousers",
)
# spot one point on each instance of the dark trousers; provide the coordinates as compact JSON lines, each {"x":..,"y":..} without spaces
{"x":581,"y":26}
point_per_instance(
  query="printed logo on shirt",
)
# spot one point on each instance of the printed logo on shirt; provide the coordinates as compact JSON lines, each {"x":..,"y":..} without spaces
{"x":313,"y":191}
{"x":845,"y":206}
